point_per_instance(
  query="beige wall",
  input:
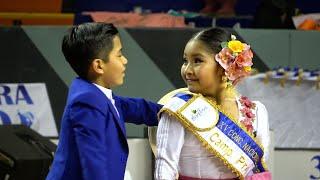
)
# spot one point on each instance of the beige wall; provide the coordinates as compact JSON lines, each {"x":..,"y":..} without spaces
{"x":295,"y":165}
{"x":140,"y":159}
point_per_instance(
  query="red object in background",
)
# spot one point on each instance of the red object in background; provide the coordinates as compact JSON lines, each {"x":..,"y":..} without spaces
{"x":308,"y":24}
{"x":36,"y":19}
{"x":33,"y":12}
{"x":34,"y":6}
{"x":137,"y":20}
{"x":307,"y":21}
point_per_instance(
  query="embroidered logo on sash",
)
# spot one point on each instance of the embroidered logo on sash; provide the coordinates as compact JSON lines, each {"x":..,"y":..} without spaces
{"x":201,"y":114}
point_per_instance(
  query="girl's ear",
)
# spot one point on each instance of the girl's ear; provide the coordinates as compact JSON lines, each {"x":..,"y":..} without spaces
{"x":220,"y":71}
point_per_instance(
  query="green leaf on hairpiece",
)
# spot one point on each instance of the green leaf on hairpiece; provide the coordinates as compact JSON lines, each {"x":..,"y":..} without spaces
{"x":224,"y":44}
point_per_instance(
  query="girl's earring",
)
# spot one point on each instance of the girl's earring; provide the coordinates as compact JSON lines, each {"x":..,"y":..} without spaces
{"x":224,"y":81}
{"x":227,"y":85}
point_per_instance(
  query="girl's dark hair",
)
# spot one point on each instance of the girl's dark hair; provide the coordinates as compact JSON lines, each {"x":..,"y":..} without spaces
{"x":213,"y":38}
{"x":85,"y":42}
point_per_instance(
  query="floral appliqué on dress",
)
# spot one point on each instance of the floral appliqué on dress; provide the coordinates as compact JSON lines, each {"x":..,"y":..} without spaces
{"x":246,"y":110}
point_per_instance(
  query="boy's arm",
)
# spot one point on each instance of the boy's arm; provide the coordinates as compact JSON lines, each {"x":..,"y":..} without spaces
{"x":88,"y":128}
{"x":139,"y":111}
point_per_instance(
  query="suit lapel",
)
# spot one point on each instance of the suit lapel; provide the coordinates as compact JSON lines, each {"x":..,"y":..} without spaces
{"x":80,"y":86}
{"x":118,"y":118}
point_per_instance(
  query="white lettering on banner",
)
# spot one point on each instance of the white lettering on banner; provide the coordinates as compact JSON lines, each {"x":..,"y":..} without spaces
{"x":224,"y":126}
{"x":27,"y":104}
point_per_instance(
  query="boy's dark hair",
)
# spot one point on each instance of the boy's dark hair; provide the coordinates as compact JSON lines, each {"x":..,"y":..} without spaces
{"x":85,"y":42}
{"x":212,"y":38}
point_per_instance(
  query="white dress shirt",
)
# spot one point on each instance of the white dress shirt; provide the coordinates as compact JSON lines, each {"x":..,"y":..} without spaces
{"x":180,"y":152}
{"x":108,"y":93}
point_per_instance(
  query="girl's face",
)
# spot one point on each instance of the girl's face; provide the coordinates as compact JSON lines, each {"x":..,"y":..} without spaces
{"x":200,"y":71}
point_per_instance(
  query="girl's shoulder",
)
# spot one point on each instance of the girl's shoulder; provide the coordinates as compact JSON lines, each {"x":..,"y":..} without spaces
{"x":175,"y":98}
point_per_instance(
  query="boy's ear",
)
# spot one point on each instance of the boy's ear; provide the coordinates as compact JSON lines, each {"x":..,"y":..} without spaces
{"x":97,"y":66}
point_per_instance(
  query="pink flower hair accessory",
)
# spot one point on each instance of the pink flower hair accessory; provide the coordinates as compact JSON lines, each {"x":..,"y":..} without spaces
{"x":236,"y":59}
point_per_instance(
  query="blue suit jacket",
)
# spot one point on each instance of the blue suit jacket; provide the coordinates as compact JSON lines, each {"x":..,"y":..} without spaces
{"x":93,"y":142}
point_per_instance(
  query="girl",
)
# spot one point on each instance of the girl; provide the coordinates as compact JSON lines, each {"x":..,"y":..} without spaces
{"x":208,"y":131}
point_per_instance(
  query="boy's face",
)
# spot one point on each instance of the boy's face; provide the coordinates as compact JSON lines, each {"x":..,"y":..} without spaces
{"x":114,"y":68}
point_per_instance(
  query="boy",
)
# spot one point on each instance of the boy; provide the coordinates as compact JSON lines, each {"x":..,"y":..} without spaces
{"x":93,"y":141}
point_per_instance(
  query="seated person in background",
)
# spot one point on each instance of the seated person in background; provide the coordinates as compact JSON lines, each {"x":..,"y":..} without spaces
{"x":220,"y":7}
